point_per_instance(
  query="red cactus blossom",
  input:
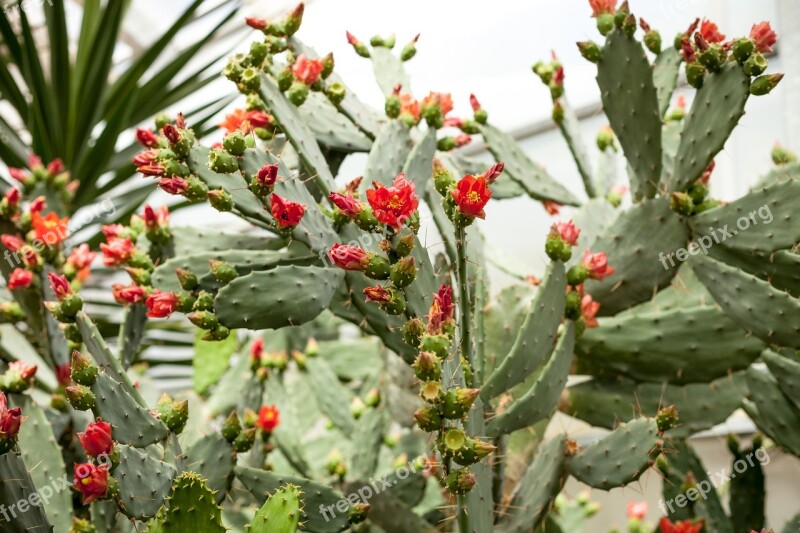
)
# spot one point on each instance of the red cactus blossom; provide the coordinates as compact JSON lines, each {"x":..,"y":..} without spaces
{"x":161,"y":304}
{"x":637,"y":510}
{"x":132,"y":294}
{"x":287,"y":214}
{"x":18,"y":174}
{"x":764,"y":36}
{"x":259,"y":119}
{"x":50,"y":229}
{"x":352,"y":40}
{"x":377,"y":294}
{"x":567,"y":231}
{"x":348,"y":257}
{"x":173,"y":185}
{"x":96,"y":439}
{"x":710,"y":32}
{"x":146,"y":138}
{"x":471,"y":195}
{"x":245,"y":121}
{"x":20,"y":279}
{"x":12,"y":196}
{"x":597,"y":265}
{"x":257,"y":349}
{"x":81,"y":259}
{"x":307,"y":70}
{"x":91,"y":481}
{"x":602,"y":7}
{"x":268,"y":418}
{"x":10,"y":419}
{"x":23,"y":370}
{"x":155,"y":218}
{"x":395,"y":204}
{"x":60,"y":285}
{"x":268,"y":175}
{"x":462,"y":140}
{"x":589,"y":309}
{"x":112,"y":231}
{"x":686,"y":526}
{"x":152,"y":170}
{"x":552,"y":208}
{"x":441,"y":310}
{"x":346,"y":204}
{"x":12,"y":242}
{"x":117,"y":251}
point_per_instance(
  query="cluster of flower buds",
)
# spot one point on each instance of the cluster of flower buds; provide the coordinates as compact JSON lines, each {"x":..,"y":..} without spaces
{"x":695,"y":200}
{"x":10,"y":422}
{"x":377,"y":41}
{"x":264,"y":362}
{"x":552,"y":75}
{"x":83,"y":372}
{"x":241,"y":434}
{"x":53,"y":175}
{"x":173,"y":413}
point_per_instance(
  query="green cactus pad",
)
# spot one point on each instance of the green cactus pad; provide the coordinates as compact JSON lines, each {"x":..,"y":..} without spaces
{"x":131,"y":333}
{"x":331,"y":128}
{"x":741,"y":225}
{"x":602,"y":403}
{"x":682,"y":345}
{"x":772,"y":412}
{"x":535,"y":336}
{"x":287,"y":435}
{"x":389,"y":71}
{"x":665,"y":76}
{"x":244,"y":261}
{"x":131,"y":423}
{"x":618,"y":458}
{"x":212,"y":458}
{"x":418,"y":167}
{"x":750,"y":302}
{"x":41,"y":453}
{"x":283,"y":296}
{"x":534,"y":494}
{"x":781,"y":269}
{"x":280,"y":513}
{"x":779,"y":174}
{"x":519,"y":168}
{"x":102,"y":355}
{"x":571,"y":130}
{"x":144,"y":481}
{"x":188,"y":240}
{"x":786,"y":369}
{"x":389,"y":512}
{"x":716,"y":110}
{"x":16,"y":486}
{"x":367,"y":440}
{"x":190,"y":507}
{"x":388,"y":154}
{"x":540,"y":401}
{"x":670,"y":141}
{"x":315,"y":497}
{"x":594,"y":218}
{"x":333,"y":398}
{"x":630,"y":101}
{"x":104,"y":516}
{"x":633,"y":244}
{"x":298,"y":133}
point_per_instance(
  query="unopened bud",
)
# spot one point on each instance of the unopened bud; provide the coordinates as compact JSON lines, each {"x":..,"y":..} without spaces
{"x":231,"y":427}
{"x":427,"y":367}
{"x":764,"y":84}
{"x":245,"y":440}
{"x":589,"y":50}
{"x":224,"y":272}
{"x":220,"y":200}
{"x":83,"y":370}
{"x":173,"y":414}
{"x":460,"y":481}
{"x":428,"y":419}
{"x":458,"y":402}
{"x":403,"y":272}
{"x":80,"y":397}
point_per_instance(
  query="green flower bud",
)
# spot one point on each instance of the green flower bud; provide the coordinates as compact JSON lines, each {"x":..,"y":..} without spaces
{"x":234,"y":143}
{"x":80,"y":397}
{"x":224,"y":272}
{"x":222,"y":162}
{"x":297,"y":93}
{"x":403,"y":272}
{"x":231,"y":427}
{"x":82,"y":369}
{"x":220,"y":200}
{"x":428,"y":419}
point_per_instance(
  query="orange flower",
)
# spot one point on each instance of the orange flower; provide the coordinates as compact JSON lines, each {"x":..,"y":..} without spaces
{"x":50,"y":229}
{"x":268,"y":418}
{"x":764,"y":36}
{"x":239,"y":120}
{"x":471,"y":194}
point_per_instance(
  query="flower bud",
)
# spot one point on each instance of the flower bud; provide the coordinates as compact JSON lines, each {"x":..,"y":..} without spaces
{"x":173,"y":413}
{"x":681,"y":203}
{"x":457,"y":402}
{"x":427,"y":367}
{"x":83,"y":369}
{"x":667,"y":418}
{"x":428,"y":419}
{"x":220,"y":200}
{"x":222,"y":162}
{"x":224,"y":272}
{"x":360,"y":48}
{"x":18,"y":377}
{"x":764,"y":84}
{"x":409,"y":50}
{"x":80,"y":397}
{"x":783,"y":156}
{"x":357,"y":407}
{"x":412,"y":331}
{"x":245,"y":440}
{"x":203,"y":319}
{"x":403,"y":272}
{"x":231,"y":427}
{"x":373,"y":398}
{"x":204,"y":302}
{"x":460,"y":481}
{"x":443,"y":180}
{"x":96,"y":439}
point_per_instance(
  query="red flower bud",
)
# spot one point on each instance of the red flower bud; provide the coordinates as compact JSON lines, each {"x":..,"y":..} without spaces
{"x":10,"y":419}
{"x":346,"y":204}
{"x":349,"y":257}
{"x":132,"y":294}
{"x":38,"y":205}
{"x":151,"y":170}
{"x":60,"y":285}
{"x":18,"y":174}
{"x":589,"y":310}
{"x":287,"y":214}
{"x":117,"y":251}
{"x":12,"y":196}
{"x":145,"y":158}
{"x":173,"y":185}
{"x":156,"y":219}
{"x":268,"y":175}
{"x":63,"y":374}
{"x":20,"y":279}
{"x":96,"y":440}
{"x":55,"y":167}
{"x":268,"y":418}
{"x":34,"y":161}
{"x":665,"y":525}
{"x":257,"y":349}
{"x":552,"y":208}
{"x":377,"y":294}
{"x":112,"y":231}
{"x":171,"y":133}
{"x":597,"y":265}
{"x":307,"y":70}
{"x":91,"y":481}
{"x":710,"y":32}
{"x":602,"y":7}
{"x":259,"y":119}
{"x":256,"y":23}
{"x":146,"y":138}
{"x":473,"y":101}
{"x":81,"y":257}
{"x":161,"y":304}
{"x":12,"y":242}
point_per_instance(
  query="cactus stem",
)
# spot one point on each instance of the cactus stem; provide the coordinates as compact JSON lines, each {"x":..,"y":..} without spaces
{"x":464,"y":522}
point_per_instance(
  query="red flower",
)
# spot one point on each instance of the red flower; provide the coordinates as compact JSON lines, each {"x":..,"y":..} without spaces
{"x":155,"y":219}
{"x":268,"y":175}
{"x":471,"y":194}
{"x":117,"y":251}
{"x":81,"y":257}
{"x":12,"y":242}
{"x":589,"y":309}
{"x":348,"y":257}
{"x":55,"y":167}
{"x":257,"y":349}
{"x":687,"y":526}
{"x":146,"y":138}
{"x":245,"y":121}
{"x":597,"y":265}
{"x":764,"y":36}
{"x":171,"y":133}
{"x":462,"y":140}
{"x":20,"y":279}
{"x":710,"y":32}
{"x":173,"y":185}
{"x":60,"y":285}
{"x":259,"y":119}
{"x":441,"y":311}
{"x":145,"y":158}
{"x":10,"y":419}
{"x":268,"y":418}
{"x":346,"y":204}
{"x":566,"y":231}
{"x":443,"y":100}
{"x":37,"y":205}
{"x":287,"y":214}
{"x":307,"y":70}
{"x":96,"y":440}
{"x":552,"y":208}
{"x":49,"y":229}
{"x":393,"y":205}
{"x":602,"y":7}
{"x":133,"y":294}
{"x":91,"y":481}
{"x":637,"y":510}
{"x":409,"y":107}
{"x":12,"y":196}
{"x":112,"y":231}
{"x":377,"y":294}
{"x":161,"y":304}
